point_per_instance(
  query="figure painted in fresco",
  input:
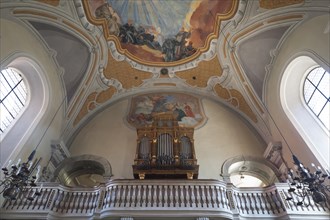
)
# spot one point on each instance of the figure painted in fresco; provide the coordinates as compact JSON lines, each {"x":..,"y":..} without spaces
{"x":181,"y":39}
{"x":174,"y":48}
{"x":112,"y":18}
{"x":152,"y":31}
{"x":183,"y":107}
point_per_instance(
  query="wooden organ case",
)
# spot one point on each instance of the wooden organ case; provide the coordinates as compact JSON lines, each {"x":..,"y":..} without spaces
{"x":165,"y":150}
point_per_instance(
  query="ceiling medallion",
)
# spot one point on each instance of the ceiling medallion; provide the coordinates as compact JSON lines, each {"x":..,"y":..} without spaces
{"x":164,"y":71}
{"x":153,"y":33}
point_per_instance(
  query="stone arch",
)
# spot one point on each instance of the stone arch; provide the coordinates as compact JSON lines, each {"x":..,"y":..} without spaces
{"x":73,"y":167}
{"x":254,"y":166}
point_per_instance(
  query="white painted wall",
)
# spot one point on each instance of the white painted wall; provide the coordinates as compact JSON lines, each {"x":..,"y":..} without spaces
{"x":223,"y":136}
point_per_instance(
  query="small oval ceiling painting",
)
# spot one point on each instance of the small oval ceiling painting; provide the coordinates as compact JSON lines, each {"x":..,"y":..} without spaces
{"x":185,"y":108}
{"x":160,"y":31}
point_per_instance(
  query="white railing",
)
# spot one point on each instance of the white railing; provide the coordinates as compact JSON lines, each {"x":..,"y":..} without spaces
{"x":161,"y":198}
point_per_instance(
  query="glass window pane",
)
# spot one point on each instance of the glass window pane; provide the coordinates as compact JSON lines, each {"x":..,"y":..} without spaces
{"x":5,"y":88}
{"x":4,"y":115}
{"x":11,"y":106}
{"x":317,"y":92}
{"x":315,"y":75}
{"x":13,"y":96}
{"x":317,"y":102}
{"x":324,"y":116}
{"x":308,"y":90}
{"x":14,"y":78}
{"x":12,"y":81}
{"x":21,"y":89}
{"x":324,"y":85}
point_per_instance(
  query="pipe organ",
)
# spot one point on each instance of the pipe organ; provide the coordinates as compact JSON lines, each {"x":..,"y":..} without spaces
{"x":165,"y":150}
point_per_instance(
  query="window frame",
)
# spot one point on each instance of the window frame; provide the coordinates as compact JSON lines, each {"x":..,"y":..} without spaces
{"x":25,"y":105}
{"x":12,"y":142}
{"x":292,"y":99}
{"x":311,"y":110}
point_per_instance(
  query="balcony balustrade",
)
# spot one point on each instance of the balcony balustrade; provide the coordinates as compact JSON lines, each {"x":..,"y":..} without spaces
{"x":161,"y":198}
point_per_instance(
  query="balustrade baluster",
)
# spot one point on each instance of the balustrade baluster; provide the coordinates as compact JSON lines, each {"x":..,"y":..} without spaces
{"x":58,"y":198}
{"x":250,"y":204}
{"x":244,"y":203}
{"x":171,"y":196}
{"x":271,"y":203}
{"x":62,"y":201}
{"x":238,"y":202}
{"x":144,"y":195}
{"x":79,"y":195}
{"x":133,"y":200}
{"x":82,"y":202}
{"x":262,"y":204}
{"x":187,"y":196}
{"x":155,"y":190}
{"x":67,"y":205}
{"x":43,"y":197}
{"x":182,"y":197}
{"x":72,"y":202}
{"x":214,"y":196}
{"x":217,"y":195}
{"x":204,"y":200}
{"x":116,"y":198}
{"x":5,"y":204}
{"x":123,"y":196}
{"x":165,"y":196}
{"x":94,"y":201}
{"x":149,"y":195}
{"x":192,"y":194}
{"x":119,"y":196}
{"x":111,"y":196}
{"x":139,"y":196}
{"x":265,"y":201}
{"x":176,"y":195}
{"x":23,"y":199}
{"x":160,"y":196}
{"x":209,"y":196}
{"x":255,"y":202}
{"x":314,"y":205}
{"x":128,"y":196}
{"x":279,"y":201}
{"x":275,"y":201}
{"x":18,"y":203}
{"x":88,"y":202}
{"x":35,"y":201}
{"x":199,"y":200}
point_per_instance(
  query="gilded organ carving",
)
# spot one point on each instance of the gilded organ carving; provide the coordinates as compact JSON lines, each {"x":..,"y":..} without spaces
{"x":165,"y":149}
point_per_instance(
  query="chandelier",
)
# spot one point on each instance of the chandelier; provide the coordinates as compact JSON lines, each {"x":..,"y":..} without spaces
{"x":19,"y":177}
{"x":306,"y":183}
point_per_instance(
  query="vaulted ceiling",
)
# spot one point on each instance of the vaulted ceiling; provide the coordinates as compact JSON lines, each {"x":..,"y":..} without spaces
{"x":233,"y":47}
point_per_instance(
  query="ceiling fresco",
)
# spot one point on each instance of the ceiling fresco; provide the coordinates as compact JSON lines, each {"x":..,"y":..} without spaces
{"x":186,"y":109}
{"x":160,"y":32}
{"x":223,"y":50}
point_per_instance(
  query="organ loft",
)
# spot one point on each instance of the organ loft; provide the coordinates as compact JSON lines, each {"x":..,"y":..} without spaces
{"x":165,"y":149}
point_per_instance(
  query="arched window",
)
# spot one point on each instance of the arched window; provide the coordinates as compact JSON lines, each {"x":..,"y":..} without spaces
{"x":317,"y":94}
{"x":13,"y":95}
{"x":36,"y":102}
{"x":299,"y":99}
